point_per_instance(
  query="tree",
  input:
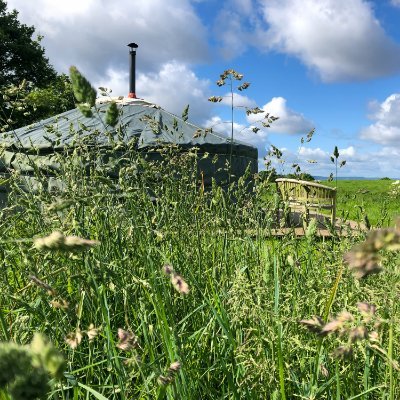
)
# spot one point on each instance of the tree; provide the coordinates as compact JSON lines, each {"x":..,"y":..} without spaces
{"x":21,"y":56}
{"x":30,"y":88}
{"x":25,"y":104}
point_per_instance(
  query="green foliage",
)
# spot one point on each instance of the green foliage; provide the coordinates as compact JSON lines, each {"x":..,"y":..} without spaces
{"x":27,"y":104}
{"x":180,"y":292}
{"x":21,"y":56}
{"x":112,"y":114}
{"x":54,"y":99}
{"x":118,"y":311}
{"x":185,"y":113}
{"x":26,"y":370}
{"x":84,"y":93}
{"x":335,"y":160}
{"x":303,"y":176}
{"x":268,"y":175}
{"x":364,"y":198}
{"x":30,"y":89}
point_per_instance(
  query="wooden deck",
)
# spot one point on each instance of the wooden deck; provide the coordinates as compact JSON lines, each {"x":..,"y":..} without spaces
{"x":296,"y":228}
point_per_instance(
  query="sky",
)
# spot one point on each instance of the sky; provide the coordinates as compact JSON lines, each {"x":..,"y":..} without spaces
{"x":328,"y":65}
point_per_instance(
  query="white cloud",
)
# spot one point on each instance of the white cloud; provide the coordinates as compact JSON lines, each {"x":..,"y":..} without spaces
{"x":289,"y":122}
{"x":231,"y":33}
{"x":93,"y":34}
{"x":348,"y":152}
{"x":316,"y":154}
{"x":363,"y":163}
{"x":244,"y":7}
{"x":240,"y":132}
{"x":174,"y":87}
{"x":360,"y":161}
{"x":339,"y":39}
{"x":386,"y":128}
{"x":239,"y":100}
{"x":117,"y":81}
{"x":395,"y":3}
{"x":234,"y":27}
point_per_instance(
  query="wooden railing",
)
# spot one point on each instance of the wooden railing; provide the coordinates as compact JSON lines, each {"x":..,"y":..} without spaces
{"x":304,"y":196}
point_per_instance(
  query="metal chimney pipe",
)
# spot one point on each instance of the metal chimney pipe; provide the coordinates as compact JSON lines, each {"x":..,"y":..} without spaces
{"x":132,"y":70}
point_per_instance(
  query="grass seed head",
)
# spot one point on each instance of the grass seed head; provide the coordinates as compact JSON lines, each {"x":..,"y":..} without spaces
{"x":358,"y":333}
{"x":174,"y":367}
{"x":36,"y":281}
{"x":53,"y":241}
{"x":366,"y":310}
{"x":168,"y":269}
{"x":362,"y":263}
{"x":324,"y":371}
{"x":343,"y":352}
{"x":314,"y":325}
{"x":92,"y":332}
{"x":332,"y":326}
{"x":61,"y":304}
{"x":164,"y":380}
{"x":57,"y":241}
{"x":126,"y":340}
{"x":179,"y":284}
{"x":73,"y":339}
{"x":345,"y":316}
{"x":363,"y":259}
{"x":373,"y":336}
{"x":47,"y":356}
{"x":169,"y":377}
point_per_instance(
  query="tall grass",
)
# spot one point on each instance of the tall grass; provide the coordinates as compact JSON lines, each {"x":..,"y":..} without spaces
{"x":235,"y":334}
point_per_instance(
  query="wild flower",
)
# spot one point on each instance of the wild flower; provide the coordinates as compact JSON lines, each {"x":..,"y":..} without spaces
{"x":57,"y":241}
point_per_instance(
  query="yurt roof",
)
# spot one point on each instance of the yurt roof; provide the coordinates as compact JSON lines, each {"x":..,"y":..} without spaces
{"x":146,"y":122}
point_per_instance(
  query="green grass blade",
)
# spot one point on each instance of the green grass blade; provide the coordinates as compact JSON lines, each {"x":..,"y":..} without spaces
{"x":95,"y":393}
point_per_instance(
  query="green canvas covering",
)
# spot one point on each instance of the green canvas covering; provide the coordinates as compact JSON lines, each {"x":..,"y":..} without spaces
{"x":144,"y":122}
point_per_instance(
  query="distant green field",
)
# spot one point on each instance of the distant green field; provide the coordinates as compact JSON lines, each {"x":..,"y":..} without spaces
{"x":358,"y":199}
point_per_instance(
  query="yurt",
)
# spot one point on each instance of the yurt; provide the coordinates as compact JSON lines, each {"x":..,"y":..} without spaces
{"x":146,"y":123}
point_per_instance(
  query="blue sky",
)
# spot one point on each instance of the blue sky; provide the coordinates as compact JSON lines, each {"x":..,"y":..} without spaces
{"x":332,"y":65}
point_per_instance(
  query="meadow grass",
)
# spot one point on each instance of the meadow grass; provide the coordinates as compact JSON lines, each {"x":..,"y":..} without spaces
{"x":370,"y":200}
{"x":127,"y":325}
